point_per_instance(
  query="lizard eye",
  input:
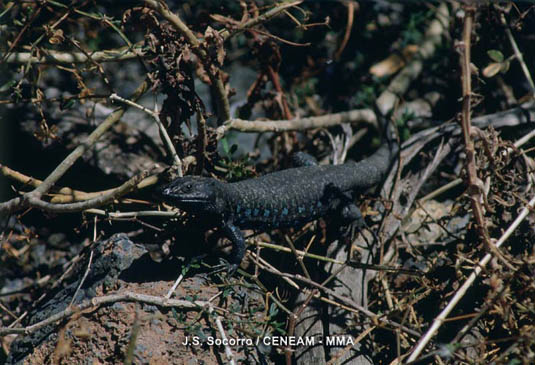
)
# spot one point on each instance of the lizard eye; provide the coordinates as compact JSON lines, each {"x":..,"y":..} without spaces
{"x":189,"y":186}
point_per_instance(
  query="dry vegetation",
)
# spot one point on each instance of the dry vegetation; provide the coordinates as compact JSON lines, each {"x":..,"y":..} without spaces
{"x":103,"y":101}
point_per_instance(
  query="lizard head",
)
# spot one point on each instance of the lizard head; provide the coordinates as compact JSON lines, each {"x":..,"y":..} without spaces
{"x":193,"y":194}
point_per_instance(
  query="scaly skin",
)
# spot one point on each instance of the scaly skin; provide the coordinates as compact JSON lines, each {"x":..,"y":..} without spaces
{"x":286,"y":198}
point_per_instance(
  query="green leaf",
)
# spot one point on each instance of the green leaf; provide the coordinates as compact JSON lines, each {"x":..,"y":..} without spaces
{"x":495,"y":55}
{"x":273,"y":310}
{"x":224,"y":143}
{"x":505,"y":66}
{"x":67,"y":104}
{"x":8,"y":85}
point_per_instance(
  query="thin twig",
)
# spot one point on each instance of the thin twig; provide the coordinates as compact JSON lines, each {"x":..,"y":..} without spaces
{"x":297,"y":252}
{"x":349,"y":26}
{"x":163,"y":132}
{"x":174,"y":286}
{"x":228,"y":351}
{"x":226,"y":34}
{"x":275,"y":80}
{"x":83,"y":278}
{"x":7,"y":310}
{"x":132,"y":215}
{"x":293,"y":320}
{"x":297,"y":256}
{"x":266,"y":265}
{"x":518,"y":54}
{"x":90,"y":59}
{"x":35,"y":13}
{"x":282,"y":40}
{"x":202,"y":140}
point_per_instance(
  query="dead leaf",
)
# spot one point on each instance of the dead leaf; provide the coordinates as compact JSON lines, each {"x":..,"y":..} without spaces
{"x":214,"y":43}
{"x":57,"y":37}
{"x":492,"y":69}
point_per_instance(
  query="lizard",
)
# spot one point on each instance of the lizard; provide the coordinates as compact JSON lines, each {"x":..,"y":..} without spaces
{"x":285,"y":198}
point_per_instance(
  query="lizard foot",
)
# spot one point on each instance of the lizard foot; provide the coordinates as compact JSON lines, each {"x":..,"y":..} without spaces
{"x":224,"y":265}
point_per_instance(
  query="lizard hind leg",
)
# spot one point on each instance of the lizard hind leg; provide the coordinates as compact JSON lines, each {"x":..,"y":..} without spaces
{"x":354,"y":223}
{"x":342,"y":204}
{"x":349,"y":216}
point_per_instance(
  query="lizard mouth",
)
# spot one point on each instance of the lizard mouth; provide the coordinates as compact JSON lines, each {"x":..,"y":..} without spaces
{"x":167,"y":193}
{"x":186,"y":199}
{"x":190,"y":200}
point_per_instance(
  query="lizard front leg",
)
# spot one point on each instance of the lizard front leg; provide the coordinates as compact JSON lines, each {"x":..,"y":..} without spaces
{"x":235,"y":235}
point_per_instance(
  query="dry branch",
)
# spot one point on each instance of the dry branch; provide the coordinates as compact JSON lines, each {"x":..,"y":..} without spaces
{"x":475,"y":185}
{"x":66,"y":194}
{"x":58,"y":58}
{"x":226,"y":34}
{"x":125,"y":188}
{"x":324,"y":121}
{"x":107,"y":299}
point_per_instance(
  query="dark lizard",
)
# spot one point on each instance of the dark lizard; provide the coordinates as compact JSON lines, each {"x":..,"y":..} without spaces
{"x":286,"y":198}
